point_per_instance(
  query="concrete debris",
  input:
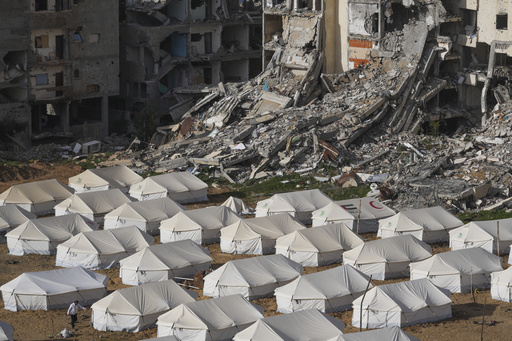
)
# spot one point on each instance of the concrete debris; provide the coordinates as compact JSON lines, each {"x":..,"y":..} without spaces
{"x":364,"y":122}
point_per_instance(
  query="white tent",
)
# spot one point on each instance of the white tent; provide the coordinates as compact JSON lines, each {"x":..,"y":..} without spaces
{"x":257,"y":236}
{"x":387,"y":258}
{"x":371,"y":212}
{"x":332,"y":214}
{"x":41,"y":236}
{"x":163,"y":338}
{"x":165,"y":261}
{"x":182,"y":187}
{"x":427,"y":224}
{"x":201,"y":225}
{"x":237,"y":205}
{"x":92,"y":205}
{"x":319,"y":245}
{"x":329,"y":291}
{"x":6,"y":332}
{"x":302,"y":325}
{"x":101,"y":179}
{"x":483,"y":234}
{"x":53,"y":289}
{"x":402,"y":304}
{"x":102,"y":249}
{"x":146,"y":215}
{"x":251,"y":277}
{"x":501,"y":285}
{"x":12,"y":216}
{"x":388,"y":333}
{"x":38,"y":197}
{"x":458,"y":271}
{"x":298,"y":204}
{"x":217,"y":319}
{"x":137,"y":308}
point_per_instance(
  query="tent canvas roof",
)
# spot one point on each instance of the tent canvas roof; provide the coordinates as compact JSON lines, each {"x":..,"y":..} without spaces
{"x":167,"y":256}
{"x":94,"y":202}
{"x":12,"y":216}
{"x":148,"y":210}
{"x":336,"y":282}
{"x":428,"y":219}
{"x":395,"y":249}
{"x":333,"y":211}
{"x":325,"y":238}
{"x":56,"y":282}
{"x":109,"y":241}
{"x":268,"y":227}
{"x":215,"y":314}
{"x":502,"y":277}
{"x":114,"y":177}
{"x":303,"y":201}
{"x":483,"y":230}
{"x":177,"y":182}
{"x":52,"y":228}
{"x":308,"y":324}
{"x":236,"y":204}
{"x":6,"y":331}
{"x":406,"y":297}
{"x":145,"y":299}
{"x":36,"y":192}
{"x":256,"y":271}
{"x":213,"y":217}
{"x":370,"y":208}
{"x":466,"y":261}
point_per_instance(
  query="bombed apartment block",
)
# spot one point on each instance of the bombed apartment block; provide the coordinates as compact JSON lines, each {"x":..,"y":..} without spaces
{"x":59,"y":63}
{"x":170,"y":44}
{"x":466,"y":57}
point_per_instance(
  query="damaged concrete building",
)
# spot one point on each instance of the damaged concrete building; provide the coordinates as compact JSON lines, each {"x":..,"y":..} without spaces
{"x":170,"y":44}
{"x":59,"y":64}
{"x":467,"y":51}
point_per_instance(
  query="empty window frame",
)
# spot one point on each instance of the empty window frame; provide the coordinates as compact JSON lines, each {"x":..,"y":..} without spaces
{"x":502,"y":21}
{"x":42,"y":42}
{"x":42,"y":79}
{"x":41,"y":5}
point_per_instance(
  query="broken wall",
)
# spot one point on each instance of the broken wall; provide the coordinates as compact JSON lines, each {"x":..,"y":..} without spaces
{"x":336,"y":36}
{"x":495,"y":21}
{"x":14,"y":39}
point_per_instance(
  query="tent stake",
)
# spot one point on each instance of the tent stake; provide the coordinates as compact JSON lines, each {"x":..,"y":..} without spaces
{"x":361,"y":309}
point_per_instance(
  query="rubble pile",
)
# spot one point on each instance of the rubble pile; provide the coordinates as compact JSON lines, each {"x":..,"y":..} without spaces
{"x":292,"y":118}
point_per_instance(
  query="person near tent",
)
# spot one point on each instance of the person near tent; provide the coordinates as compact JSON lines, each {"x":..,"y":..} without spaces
{"x":73,"y":311}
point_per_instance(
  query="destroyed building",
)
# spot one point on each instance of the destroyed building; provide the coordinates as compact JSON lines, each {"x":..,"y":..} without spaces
{"x":59,"y":64}
{"x":171,"y":44}
{"x":405,"y":70}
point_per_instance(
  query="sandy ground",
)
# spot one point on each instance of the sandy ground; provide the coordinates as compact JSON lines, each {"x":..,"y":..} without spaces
{"x":40,"y":325}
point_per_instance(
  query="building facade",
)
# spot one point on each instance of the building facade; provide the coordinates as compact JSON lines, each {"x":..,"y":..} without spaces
{"x":59,"y":64}
{"x":171,"y":44}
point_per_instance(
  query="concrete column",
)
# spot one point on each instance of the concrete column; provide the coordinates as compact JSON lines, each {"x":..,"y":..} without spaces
{"x":295,"y":4}
{"x":104,"y":116}
{"x":314,"y":6}
{"x":289,"y":5}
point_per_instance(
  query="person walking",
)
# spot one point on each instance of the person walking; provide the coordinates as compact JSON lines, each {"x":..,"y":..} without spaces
{"x":72,"y":311}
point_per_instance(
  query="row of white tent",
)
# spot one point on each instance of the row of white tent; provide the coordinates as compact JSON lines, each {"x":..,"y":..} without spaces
{"x":362,"y":215}
{"x":406,"y":303}
{"x":41,"y":197}
{"x":174,"y":309}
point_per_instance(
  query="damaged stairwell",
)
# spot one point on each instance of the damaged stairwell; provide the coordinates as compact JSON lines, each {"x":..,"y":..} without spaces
{"x":292,"y":117}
